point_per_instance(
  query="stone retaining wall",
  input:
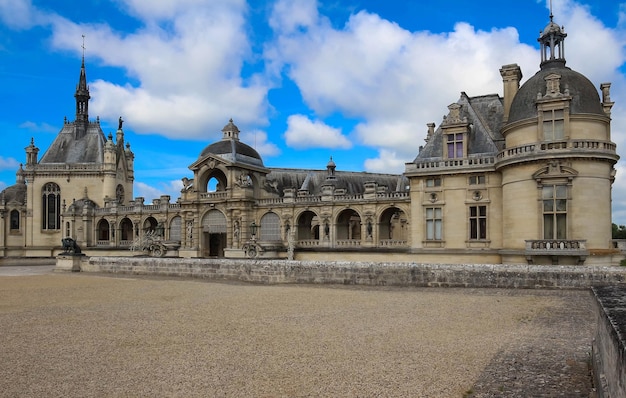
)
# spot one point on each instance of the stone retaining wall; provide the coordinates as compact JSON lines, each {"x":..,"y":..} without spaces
{"x":609,"y":346}
{"x":364,"y":273}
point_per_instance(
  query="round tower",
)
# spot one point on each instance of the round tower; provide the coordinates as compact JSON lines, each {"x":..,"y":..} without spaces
{"x":557,"y":165}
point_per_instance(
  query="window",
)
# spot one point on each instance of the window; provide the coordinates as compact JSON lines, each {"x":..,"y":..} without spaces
{"x":433,"y":182}
{"x":554,"y":211}
{"x":51,"y":207}
{"x":433,"y":223}
{"x":478,"y":222}
{"x":477,"y":179}
{"x":176,"y":226}
{"x":15,"y":220}
{"x":455,"y":145}
{"x":270,"y":227}
{"x":553,"y":125}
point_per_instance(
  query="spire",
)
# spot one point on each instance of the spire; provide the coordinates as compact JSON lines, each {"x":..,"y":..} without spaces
{"x":552,"y":40}
{"x":82,"y":95}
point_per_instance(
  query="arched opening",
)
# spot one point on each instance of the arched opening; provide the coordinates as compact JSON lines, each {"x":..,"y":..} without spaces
{"x":215,"y":181}
{"x":126,"y":232}
{"x":348,"y":225}
{"x":213,"y":234}
{"x":308,"y":227}
{"x":103,"y":231}
{"x":15,"y":220}
{"x":393,"y":227}
{"x":270,"y":227}
{"x":149,"y":225}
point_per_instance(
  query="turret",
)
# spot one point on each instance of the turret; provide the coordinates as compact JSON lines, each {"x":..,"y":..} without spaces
{"x":82,"y":102}
{"x":31,"y":153}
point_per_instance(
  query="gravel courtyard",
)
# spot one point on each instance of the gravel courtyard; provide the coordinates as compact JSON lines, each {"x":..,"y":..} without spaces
{"x":89,"y":335}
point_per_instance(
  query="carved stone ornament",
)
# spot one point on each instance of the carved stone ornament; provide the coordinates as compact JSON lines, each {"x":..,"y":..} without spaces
{"x":433,"y":197}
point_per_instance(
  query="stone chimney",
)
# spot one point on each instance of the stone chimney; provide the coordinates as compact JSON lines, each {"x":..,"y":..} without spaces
{"x":511,"y":76}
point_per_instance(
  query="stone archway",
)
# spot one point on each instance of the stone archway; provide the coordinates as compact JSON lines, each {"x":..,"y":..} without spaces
{"x":214,"y":239}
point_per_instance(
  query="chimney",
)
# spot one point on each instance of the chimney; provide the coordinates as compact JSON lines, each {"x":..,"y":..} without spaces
{"x":511,"y":76}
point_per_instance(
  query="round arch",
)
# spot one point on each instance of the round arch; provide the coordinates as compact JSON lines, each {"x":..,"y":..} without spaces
{"x":308,"y":226}
{"x":126,"y":230}
{"x":213,"y":180}
{"x":103,"y":228}
{"x":348,"y":225}
{"x":393,"y":225}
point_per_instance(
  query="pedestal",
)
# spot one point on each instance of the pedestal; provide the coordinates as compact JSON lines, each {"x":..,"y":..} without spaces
{"x":68,"y":262}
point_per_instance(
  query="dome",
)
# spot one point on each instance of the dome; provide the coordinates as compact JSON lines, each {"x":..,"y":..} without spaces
{"x":14,"y":193}
{"x":234,"y":151}
{"x":231,"y":149}
{"x":585,"y":97}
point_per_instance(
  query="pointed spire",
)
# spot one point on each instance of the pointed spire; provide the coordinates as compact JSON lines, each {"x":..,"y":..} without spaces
{"x":82,"y":95}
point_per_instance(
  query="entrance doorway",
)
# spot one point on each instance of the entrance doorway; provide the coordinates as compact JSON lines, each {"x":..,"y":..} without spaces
{"x":214,"y":244}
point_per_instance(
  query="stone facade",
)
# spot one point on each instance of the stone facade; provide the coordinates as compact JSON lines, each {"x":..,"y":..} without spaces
{"x":521,"y":178}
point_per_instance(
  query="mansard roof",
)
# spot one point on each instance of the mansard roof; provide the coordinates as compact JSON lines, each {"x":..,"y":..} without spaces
{"x":484,"y":115}
{"x":71,"y":146}
{"x":312,"y":181}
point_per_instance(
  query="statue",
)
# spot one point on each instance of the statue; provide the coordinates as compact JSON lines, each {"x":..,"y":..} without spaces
{"x":119,"y":124}
{"x":70,"y":246}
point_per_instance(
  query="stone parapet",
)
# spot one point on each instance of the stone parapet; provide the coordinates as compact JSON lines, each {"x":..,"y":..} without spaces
{"x":365,"y":273}
{"x":609,"y":345}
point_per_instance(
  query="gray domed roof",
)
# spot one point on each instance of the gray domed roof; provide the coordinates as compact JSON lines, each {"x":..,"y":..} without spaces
{"x":585,"y":97}
{"x":231,"y":149}
{"x":234,"y":151}
{"x":14,"y":193}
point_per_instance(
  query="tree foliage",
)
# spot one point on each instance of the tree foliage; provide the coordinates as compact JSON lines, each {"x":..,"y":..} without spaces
{"x":619,"y":231}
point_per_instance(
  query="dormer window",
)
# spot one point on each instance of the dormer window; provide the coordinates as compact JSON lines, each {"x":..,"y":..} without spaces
{"x":553,"y":125}
{"x":454,"y":145}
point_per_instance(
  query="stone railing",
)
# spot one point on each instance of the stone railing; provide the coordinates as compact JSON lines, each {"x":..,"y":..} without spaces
{"x":555,"y":248}
{"x":213,"y":195}
{"x":348,"y":243}
{"x":308,"y":243}
{"x":392,"y":243}
{"x":451,"y":164}
{"x":103,"y":243}
{"x":555,"y":146}
{"x":134,"y":209}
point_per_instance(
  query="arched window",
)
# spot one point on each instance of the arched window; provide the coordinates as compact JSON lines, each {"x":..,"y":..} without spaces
{"x":175,"y":227}
{"x":270,"y":227}
{"x":15,"y":220}
{"x":51,"y":207}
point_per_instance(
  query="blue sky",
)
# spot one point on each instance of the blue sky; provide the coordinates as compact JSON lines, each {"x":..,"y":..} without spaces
{"x":304,"y":80}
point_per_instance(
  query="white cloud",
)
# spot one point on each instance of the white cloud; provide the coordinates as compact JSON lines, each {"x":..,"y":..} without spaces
{"x":188,"y":59}
{"x":395,"y":80}
{"x":257,"y":139}
{"x":39,"y":127}
{"x":149,"y":193}
{"x":20,"y":14}
{"x":386,"y":162}
{"x":304,"y":133}
{"x":9,"y":164}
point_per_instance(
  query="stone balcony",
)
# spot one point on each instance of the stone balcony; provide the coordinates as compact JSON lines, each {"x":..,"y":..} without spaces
{"x":555,"y":248}
{"x":555,"y":148}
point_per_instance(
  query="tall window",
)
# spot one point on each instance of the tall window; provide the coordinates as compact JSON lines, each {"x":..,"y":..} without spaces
{"x":51,"y":207}
{"x":478,"y":222}
{"x":270,"y":227}
{"x":553,"y":125}
{"x":15,"y":220}
{"x":455,"y":145}
{"x":433,"y":223}
{"x":176,"y":226}
{"x":554,"y":211}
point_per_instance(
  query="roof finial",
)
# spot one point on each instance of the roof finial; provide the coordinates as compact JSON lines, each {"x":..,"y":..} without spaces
{"x":83,"y":47}
{"x":551,"y":16}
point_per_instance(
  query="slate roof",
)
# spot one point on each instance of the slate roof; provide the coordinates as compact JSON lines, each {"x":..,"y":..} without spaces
{"x":66,"y":148}
{"x":485,"y":114}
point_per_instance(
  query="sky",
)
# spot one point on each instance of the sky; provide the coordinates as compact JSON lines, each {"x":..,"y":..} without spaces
{"x":303,"y":80}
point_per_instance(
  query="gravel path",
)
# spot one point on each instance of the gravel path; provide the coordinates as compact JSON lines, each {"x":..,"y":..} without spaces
{"x":68,"y":335}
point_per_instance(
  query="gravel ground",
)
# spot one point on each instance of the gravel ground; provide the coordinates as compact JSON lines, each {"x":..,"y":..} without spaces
{"x":86,"y":335}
